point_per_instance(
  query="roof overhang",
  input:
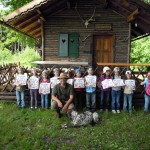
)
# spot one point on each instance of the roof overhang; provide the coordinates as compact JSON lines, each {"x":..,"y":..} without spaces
{"x":28,"y":18}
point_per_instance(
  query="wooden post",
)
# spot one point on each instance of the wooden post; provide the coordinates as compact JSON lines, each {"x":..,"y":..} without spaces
{"x":129,"y":43}
{"x":42,"y":33}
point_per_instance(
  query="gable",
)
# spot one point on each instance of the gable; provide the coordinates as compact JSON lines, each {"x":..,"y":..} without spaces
{"x":28,"y":18}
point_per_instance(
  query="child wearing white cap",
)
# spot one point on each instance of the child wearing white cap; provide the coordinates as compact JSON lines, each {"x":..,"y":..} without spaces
{"x":105,"y":93}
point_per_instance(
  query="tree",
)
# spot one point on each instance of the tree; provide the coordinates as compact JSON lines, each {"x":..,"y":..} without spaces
{"x":140,"y":51}
{"x":10,"y":42}
{"x":14,"y":4}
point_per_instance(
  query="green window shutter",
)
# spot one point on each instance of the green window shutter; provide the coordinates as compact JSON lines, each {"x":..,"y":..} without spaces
{"x":63,"y":45}
{"x":73,"y":45}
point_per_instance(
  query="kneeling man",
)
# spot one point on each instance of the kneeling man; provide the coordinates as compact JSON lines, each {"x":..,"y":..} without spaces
{"x":62,"y":96}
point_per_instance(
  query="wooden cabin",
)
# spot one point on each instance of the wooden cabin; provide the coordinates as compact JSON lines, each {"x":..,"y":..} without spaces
{"x":86,"y":32}
{"x":83,"y":30}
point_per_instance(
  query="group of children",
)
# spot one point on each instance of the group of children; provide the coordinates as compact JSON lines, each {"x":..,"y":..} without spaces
{"x":91,"y":82}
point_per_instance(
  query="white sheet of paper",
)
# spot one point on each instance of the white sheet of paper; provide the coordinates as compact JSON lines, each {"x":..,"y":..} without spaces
{"x":107,"y":83}
{"x":34,"y":82}
{"x":22,"y":79}
{"x":79,"y":83}
{"x":44,"y":88}
{"x":130,"y":84}
{"x":91,"y":81}
{"x":118,"y":82}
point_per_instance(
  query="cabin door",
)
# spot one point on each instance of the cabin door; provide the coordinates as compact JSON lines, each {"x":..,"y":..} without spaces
{"x":103,"y":49}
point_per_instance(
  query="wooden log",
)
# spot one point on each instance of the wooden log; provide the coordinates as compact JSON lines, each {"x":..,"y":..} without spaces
{"x":120,"y":64}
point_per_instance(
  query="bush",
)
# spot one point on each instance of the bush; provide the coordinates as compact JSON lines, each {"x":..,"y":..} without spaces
{"x":27,"y":57}
{"x":5,"y":56}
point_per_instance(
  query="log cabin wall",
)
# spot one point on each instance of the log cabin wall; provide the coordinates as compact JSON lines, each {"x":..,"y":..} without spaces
{"x":68,"y":21}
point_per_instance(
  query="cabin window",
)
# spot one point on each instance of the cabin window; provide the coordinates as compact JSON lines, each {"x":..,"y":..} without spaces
{"x":68,"y":45}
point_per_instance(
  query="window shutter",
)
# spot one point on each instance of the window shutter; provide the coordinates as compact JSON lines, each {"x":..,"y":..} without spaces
{"x":63,"y":45}
{"x":73,"y":45}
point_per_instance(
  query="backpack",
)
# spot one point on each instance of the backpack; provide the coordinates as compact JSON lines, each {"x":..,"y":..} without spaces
{"x":147,"y":90}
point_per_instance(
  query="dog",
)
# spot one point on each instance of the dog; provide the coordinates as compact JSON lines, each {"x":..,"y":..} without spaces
{"x":82,"y":119}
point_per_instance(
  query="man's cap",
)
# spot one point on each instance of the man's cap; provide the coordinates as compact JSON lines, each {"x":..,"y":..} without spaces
{"x":63,"y":76}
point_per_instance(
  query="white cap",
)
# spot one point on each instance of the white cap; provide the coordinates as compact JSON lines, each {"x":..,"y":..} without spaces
{"x":128,"y":72}
{"x":116,"y":69}
{"x":105,"y":69}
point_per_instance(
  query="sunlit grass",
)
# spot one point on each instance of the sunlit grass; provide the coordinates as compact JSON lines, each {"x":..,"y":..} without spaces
{"x":25,"y":129}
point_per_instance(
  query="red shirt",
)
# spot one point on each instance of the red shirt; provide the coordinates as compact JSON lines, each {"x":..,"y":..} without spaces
{"x":45,"y":81}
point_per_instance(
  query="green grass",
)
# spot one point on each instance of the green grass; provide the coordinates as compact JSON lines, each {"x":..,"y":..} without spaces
{"x":25,"y":129}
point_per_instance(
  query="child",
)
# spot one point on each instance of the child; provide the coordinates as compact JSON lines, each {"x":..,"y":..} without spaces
{"x":69,"y":74}
{"x":33,"y":84}
{"x":90,"y":90}
{"x":20,"y":88}
{"x":105,"y":93}
{"x":128,"y":93}
{"x":54,"y":80}
{"x":116,"y":92}
{"x":147,"y":92}
{"x":44,"y":97}
{"x":78,"y":98}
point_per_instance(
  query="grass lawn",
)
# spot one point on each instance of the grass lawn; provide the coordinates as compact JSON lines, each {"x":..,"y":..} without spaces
{"x":25,"y":129}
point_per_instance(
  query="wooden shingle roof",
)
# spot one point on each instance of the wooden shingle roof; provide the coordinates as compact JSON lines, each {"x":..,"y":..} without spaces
{"x":27,"y":18}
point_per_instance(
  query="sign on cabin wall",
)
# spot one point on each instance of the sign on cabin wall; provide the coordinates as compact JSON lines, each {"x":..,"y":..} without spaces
{"x":103,"y":27}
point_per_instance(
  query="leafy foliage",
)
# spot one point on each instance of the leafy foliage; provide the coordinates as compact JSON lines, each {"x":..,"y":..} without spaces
{"x":14,"y":4}
{"x":8,"y":36}
{"x":26,"y":57}
{"x":140,"y":50}
{"x":147,"y":1}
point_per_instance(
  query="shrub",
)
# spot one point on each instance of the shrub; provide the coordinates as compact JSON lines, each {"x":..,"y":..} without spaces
{"x":27,"y":57}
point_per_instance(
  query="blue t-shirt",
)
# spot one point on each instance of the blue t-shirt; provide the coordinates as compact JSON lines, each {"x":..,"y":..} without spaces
{"x":146,"y":82}
{"x":90,"y":89}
